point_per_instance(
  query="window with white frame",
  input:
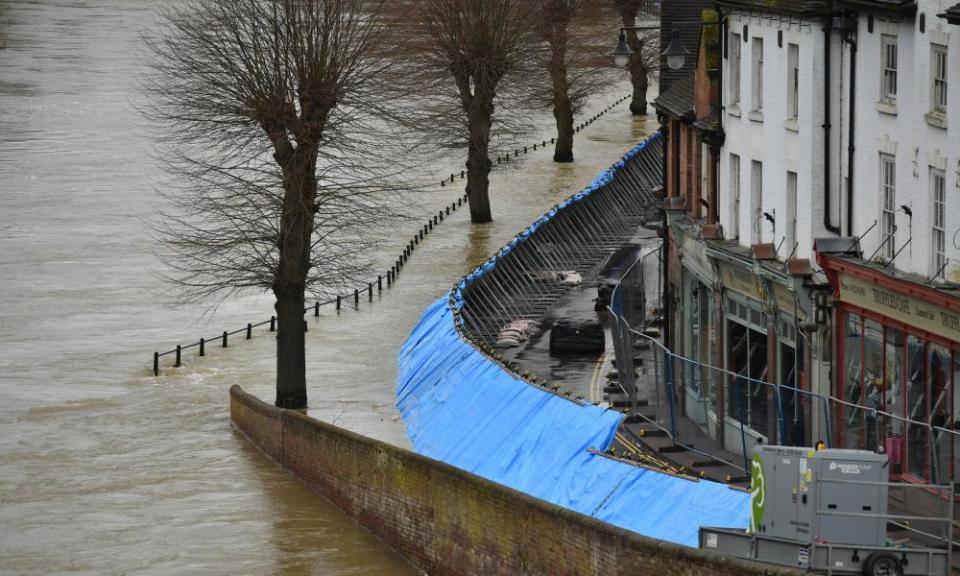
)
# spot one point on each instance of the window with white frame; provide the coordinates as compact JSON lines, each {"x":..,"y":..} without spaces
{"x":756,"y":200}
{"x":938,"y":73}
{"x":938,"y":238}
{"x":888,"y":67}
{"x":791,"y":235}
{"x":757,"y":54}
{"x":793,"y":81}
{"x":735,"y":194}
{"x":734,"y":69}
{"x":888,"y":203}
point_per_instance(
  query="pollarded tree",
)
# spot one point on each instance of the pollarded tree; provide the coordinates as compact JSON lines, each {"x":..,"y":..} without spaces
{"x":270,"y":118}
{"x":473,"y":56}
{"x":643,"y":62}
{"x":577,"y":64}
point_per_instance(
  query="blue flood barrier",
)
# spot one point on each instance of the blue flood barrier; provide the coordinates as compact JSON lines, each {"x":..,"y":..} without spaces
{"x":465,"y":409}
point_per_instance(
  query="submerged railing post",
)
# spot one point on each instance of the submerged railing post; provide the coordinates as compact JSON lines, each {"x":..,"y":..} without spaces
{"x":156,"y":363}
{"x":202,"y":342}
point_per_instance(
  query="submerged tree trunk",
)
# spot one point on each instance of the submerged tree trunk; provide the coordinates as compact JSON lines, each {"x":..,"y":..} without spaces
{"x":639,"y":71}
{"x":480,"y":118}
{"x":639,"y":77}
{"x":562,"y":107}
{"x":291,"y":349}
{"x":296,"y":230}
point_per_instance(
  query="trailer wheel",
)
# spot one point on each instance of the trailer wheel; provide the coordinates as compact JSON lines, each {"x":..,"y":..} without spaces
{"x":882,"y":564}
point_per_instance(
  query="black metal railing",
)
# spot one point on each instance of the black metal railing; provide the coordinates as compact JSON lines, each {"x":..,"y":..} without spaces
{"x":389,"y":277}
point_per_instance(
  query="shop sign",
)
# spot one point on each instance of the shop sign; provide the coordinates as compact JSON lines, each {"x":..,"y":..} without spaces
{"x":695,"y":258}
{"x":741,"y":280}
{"x":912,"y":311}
{"x":785,"y":300}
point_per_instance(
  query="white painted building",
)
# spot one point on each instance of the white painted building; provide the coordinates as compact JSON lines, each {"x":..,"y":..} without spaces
{"x":771,"y":172}
{"x":907,"y":140}
{"x":905,"y":158}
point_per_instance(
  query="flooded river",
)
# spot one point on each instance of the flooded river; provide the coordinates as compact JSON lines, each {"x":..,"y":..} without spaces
{"x":107,"y":470}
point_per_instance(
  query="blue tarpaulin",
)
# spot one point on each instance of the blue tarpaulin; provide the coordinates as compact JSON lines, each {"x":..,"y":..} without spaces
{"x":462,"y":408}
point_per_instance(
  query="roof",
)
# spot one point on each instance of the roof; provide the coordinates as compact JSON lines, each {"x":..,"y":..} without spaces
{"x":804,"y":7}
{"x":678,"y":99}
{"x":818,"y":7}
{"x":952,"y":14}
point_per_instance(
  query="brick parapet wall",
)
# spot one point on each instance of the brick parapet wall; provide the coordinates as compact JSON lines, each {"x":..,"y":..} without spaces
{"x":450,"y":522}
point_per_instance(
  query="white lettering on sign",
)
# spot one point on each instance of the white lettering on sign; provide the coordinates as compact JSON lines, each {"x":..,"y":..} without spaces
{"x":849,"y":468}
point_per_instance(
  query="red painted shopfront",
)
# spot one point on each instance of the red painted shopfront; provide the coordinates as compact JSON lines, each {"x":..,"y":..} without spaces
{"x":896,"y":369}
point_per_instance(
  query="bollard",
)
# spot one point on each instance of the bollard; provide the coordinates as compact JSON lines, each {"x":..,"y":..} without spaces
{"x":316,"y":308}
{"x":443,"y":182}
{"x":462,"y":174}
{"x":389,"y":278}
{"x":534,"y":145}
{"x":202,"y":342}
{"x":273,"y":323}
{"x":379,"y":283}
{"x":156,"y":363}
{"x":306,"y":327}
{"x":448,"y":210}
{"x":430,"y":224}
{"x":524,"y":149}
{"x":177,"y":364}
{"x":370,"y":290}
{"x":338,"y":302}
{"x":224,"y":338}
{"x":249,"y":331}
{"x":551,"y":140}
{"x":452,"y":177}
{"x":459,"y":202}
{"x":356,"y":297}
{"x":516,"y":153}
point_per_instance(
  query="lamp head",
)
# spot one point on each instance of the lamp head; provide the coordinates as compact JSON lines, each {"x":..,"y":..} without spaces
{"x":621,"y":55}
{"x":676,"y":53}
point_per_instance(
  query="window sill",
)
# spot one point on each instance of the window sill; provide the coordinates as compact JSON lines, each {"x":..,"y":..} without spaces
{"x":936,"y":119}
{"x":755,"y":115}
{"x":733,"y":110}
{"x":887,"y":108}
{"x":791,"y":124}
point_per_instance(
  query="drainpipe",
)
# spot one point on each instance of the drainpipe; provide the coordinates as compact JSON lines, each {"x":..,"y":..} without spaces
{"x":851,"y":39}
{"x":827,"y":34}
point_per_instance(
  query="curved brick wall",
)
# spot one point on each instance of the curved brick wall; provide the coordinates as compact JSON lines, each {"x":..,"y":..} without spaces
{"x":449,"y":522}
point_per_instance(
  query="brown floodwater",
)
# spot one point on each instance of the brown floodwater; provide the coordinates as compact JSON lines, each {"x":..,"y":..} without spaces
{"x":105,"y":469}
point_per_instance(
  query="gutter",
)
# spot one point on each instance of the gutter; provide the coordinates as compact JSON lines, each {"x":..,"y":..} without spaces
{"x":827,"y":35}
{"x":851,"y":39}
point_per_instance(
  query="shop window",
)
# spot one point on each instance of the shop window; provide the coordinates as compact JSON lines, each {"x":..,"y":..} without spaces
{"x":790,"y":404}
{"x":747,"y":393}
{"x":893,"y":396}
{"x":954,"y":425}
{"x":938,"y":414}
{"x":917,"y":436}
{"x":871,"y":392}
{"x":852,"y":378}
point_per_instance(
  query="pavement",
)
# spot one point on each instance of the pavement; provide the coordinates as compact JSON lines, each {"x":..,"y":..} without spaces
{"x":645,"y":433}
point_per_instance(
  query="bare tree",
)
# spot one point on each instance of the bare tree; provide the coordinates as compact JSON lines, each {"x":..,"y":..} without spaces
{"x":475,"y":57}
{"x":644,"y":61}
{"x":270,"y":117}
{"x":576,"y":63}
